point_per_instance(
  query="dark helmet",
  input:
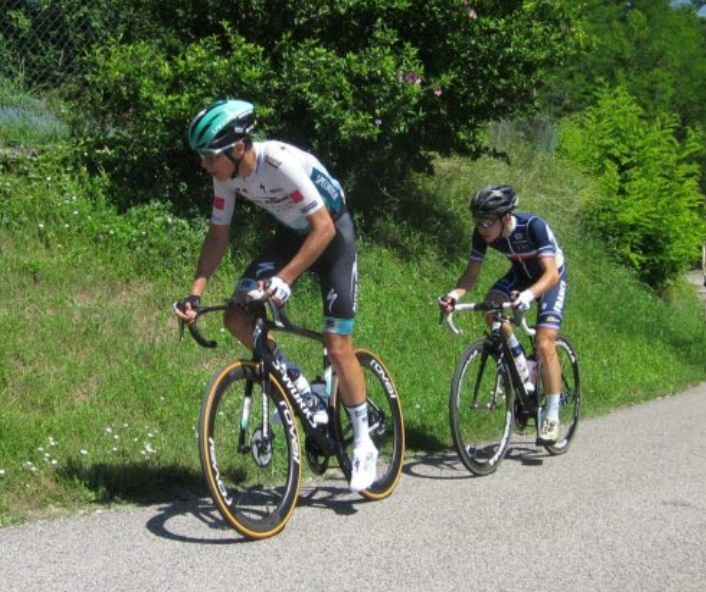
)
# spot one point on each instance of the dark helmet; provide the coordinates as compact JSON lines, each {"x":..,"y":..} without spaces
{"x":221,"y":124}
{"x":493,"y":200}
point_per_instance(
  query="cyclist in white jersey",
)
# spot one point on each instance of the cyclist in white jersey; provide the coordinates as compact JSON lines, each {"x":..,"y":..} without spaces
{"x":315,"y":232}
{"x":538,"y":272}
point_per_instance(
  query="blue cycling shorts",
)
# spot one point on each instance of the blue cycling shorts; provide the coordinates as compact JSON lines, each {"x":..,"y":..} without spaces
{"x":551,"y":306}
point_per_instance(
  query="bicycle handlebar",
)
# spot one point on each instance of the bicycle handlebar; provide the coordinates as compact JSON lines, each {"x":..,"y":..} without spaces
{"x":486,"y":307}
{"x":253,"y":298}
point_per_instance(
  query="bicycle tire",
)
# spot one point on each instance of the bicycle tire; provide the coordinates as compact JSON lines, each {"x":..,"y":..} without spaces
{"x":386,"y":421}
{"x":481,"y":416}
{"x":570,"y":404}
{"x":255,"y":486}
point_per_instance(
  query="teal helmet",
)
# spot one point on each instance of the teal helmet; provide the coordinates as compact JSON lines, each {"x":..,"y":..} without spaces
{"x":221,"y":125}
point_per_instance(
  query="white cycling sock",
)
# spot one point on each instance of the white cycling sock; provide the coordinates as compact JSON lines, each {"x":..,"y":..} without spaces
{"x":359,"y":419}
{"x":552,"y":407}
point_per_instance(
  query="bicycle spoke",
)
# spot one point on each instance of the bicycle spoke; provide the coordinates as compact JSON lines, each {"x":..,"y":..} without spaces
{"x":385,"y":423}
{"x":481,"y":418}
{"x":249,"y":452}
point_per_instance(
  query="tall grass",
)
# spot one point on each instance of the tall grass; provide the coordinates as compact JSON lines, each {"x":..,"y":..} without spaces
{"x":26,"y":120}
{"x":99,"y":401}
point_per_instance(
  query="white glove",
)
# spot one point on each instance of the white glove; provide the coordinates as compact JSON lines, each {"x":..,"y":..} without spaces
{"x":524,"y":300}
{"x":279,"y":290}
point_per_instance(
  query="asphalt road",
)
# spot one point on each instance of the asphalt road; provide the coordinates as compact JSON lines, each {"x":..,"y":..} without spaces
{"x":624,"y":510}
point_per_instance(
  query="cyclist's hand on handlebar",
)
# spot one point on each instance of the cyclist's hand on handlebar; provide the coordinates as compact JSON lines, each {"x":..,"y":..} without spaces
{"x":522,"y":301}
{"x":447,"y":303}
{"x":187,"y":308}
{"x":277,"y":290}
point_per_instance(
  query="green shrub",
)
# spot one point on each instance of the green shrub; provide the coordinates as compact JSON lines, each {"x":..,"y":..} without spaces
{"x":374,"y":87}
{"x":650,"y":210}
{"x":138,"y":103}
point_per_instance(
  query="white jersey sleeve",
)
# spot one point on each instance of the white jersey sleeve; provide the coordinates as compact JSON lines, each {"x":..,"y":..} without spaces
{"x":223,"y":203}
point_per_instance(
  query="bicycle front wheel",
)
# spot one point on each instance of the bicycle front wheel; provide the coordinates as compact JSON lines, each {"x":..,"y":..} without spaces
{"x":570,"y":397}
{"x":481,"y":409}
{"x":385,"y":422}
{"x":249,"y":449}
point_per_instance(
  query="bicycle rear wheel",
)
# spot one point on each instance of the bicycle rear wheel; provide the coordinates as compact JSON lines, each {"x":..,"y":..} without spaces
{"x":386,"y":424}
{"x":480,"y":409}
{"x":249,"y":449}
{"x":570,"y":399}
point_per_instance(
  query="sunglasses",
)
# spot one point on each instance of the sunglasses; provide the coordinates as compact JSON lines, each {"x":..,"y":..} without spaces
{"x":485,"y":223}
{"x":210,"y":155}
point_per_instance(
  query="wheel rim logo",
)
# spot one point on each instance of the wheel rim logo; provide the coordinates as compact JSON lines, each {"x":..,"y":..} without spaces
{"x":219,"y":482}
{"x":380,"y":371}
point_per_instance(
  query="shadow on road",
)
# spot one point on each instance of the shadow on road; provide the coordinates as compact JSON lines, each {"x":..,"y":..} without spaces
{"x":203,"y":511}
{"x":447,"y":465}
{"x":436,"y":466}
{"x":167,"y":524}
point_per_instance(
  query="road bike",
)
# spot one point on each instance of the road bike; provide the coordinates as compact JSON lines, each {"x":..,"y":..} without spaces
{"x":489,"y":400}
{"x":249,"y":441}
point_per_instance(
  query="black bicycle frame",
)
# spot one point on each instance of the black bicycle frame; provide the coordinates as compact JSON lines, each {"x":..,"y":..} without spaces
{"x":262,"y":354}
{"x":326,"y":437}
{"x":528,"y":401}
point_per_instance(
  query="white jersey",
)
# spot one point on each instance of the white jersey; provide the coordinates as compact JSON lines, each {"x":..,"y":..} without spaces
{"x":287,"y":182}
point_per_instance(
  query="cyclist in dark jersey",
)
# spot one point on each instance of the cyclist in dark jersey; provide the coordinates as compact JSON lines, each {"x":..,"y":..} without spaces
{"x":537,"y":272}
{"x":314,"y":231}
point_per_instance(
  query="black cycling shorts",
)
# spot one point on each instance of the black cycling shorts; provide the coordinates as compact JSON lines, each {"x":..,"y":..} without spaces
{"x":337,"y":267}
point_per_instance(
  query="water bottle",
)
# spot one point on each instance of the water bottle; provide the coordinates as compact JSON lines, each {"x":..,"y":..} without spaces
{"x":521,"y":362}
{"x":311,"y":399}
{"x":533,"y":369}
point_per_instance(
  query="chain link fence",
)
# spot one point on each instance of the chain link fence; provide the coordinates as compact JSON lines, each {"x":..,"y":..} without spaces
{"x":42,"y":42}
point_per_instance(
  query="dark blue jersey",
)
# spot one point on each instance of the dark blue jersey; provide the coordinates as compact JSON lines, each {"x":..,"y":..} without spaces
{"x":530,"y":241}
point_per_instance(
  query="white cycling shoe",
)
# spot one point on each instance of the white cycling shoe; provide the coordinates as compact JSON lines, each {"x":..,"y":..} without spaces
{"x":364,"y":466}
{"x":549,"y":433}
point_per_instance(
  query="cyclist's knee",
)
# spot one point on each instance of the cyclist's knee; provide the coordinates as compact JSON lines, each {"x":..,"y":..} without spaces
{"x":545,"y":343}
{"x":339,"y":347}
